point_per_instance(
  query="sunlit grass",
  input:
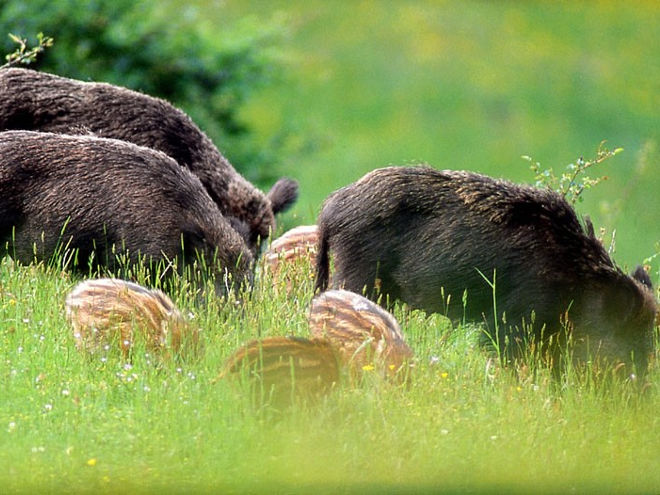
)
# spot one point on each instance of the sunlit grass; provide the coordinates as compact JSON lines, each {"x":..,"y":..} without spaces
{"x":79,"y":423}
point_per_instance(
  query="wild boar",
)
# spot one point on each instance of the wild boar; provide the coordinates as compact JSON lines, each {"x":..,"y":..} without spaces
{"x":283,"y":369}
{"x":32,"y":100}
{"x":106,"y":199}
{"x":513,"y":257}
{"x":364,"y":335}
{"x":112,"y":311}
{"x":289,"y":260}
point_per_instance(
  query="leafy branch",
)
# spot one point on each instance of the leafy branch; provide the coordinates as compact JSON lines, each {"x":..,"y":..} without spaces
{"x":572,"y":183}
{"x":24,"y":54}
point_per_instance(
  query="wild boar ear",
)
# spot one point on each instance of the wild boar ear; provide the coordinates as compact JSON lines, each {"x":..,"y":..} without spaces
{"x":642,"y":277}
{"x":241,"y":227}
{"x":623,"y":299}
{"x":283,"y":194}
{"x":589,"y":227}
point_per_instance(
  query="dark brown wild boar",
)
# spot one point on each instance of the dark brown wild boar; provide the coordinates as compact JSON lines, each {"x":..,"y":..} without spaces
{"x":104,"y":198}
{"x":32,"y":100}
{"x":429,"y":238}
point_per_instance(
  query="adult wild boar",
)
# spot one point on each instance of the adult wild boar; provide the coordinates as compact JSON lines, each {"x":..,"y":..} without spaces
{"x":429,"y":237}
{"x":32,"y":100}
{"x":106,"y":198}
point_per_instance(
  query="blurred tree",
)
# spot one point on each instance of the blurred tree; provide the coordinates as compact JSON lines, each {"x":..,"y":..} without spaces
{"x":165,"y":49}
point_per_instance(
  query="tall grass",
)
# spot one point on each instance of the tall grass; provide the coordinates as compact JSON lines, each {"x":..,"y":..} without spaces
{"x":70,"y":422}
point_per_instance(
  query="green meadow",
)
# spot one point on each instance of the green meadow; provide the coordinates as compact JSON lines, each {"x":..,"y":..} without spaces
{"x":72,"y":423}
{"x":464,"y":85}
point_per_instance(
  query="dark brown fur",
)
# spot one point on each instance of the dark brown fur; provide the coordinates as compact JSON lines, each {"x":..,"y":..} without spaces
{"x":103,"y":197}
{"x":32,"y":100}
{"x":426,"y":237}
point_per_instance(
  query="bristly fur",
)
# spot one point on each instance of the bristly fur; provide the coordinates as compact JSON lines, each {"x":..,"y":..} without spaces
{"x":104,"y":198}
{"x":427,"y":237}
{"x":31,"y":100}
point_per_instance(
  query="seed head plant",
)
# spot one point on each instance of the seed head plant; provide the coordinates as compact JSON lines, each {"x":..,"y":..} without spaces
{"x":573,"y":182}
{"x":24,"y":55}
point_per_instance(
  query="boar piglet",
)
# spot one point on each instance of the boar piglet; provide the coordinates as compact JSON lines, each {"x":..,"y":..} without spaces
{"x":31,"y":100}
{"x":513,"y":257}
{"x":105,"y":198}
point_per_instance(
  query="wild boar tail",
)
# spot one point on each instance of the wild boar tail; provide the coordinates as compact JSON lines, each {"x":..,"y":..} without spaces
{"x":322,"y":263}
{"x":283,"y":194}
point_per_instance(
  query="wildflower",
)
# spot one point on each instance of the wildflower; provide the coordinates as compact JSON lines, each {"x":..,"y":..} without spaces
{"x":368,"y":367}
{"x":11,"y":426}
{"x":91,"y":462}
{"x":444,"y":375}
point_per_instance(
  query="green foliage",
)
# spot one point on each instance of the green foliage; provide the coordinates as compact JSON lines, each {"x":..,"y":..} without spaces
{"x":572,"y":183}
{"x":166,"y":50}
{"x":24,"y":55}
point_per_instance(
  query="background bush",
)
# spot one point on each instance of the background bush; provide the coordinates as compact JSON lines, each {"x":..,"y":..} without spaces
{"x":208,"y":70}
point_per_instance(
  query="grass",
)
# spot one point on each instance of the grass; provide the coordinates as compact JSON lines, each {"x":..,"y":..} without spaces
{"x":73,"y":423}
